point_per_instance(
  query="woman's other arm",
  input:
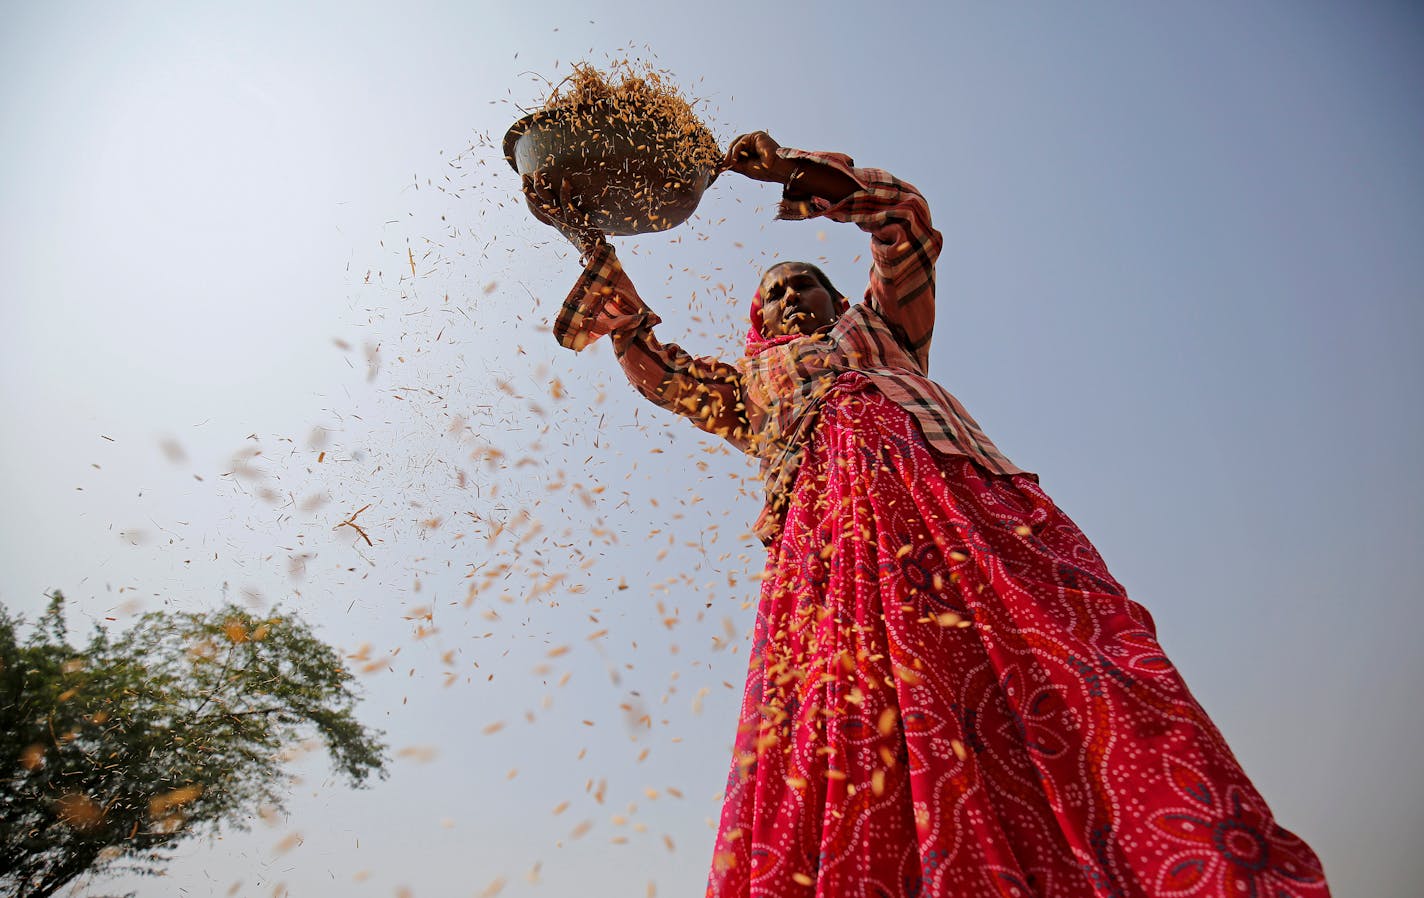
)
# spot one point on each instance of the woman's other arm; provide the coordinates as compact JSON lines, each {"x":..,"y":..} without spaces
{"x":704,"y":390}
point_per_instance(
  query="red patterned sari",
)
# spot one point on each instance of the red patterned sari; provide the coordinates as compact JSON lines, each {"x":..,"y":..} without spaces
{"x":949,"y":695}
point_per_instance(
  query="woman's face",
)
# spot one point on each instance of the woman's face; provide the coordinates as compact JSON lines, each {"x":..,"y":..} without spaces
{"x":794,"y":301}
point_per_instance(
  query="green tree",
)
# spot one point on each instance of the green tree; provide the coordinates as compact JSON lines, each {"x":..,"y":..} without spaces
{"x":113,"y":753}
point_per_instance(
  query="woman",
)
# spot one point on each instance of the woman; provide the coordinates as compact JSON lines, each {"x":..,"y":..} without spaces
{"x":948,"y":694}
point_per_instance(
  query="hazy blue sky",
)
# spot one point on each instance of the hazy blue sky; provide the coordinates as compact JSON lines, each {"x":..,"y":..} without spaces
{"x":1182,"y":281}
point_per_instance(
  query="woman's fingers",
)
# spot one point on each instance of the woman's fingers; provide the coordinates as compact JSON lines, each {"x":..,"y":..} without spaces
{"x":537,"y":189}
{"x":729,"y":161}
{"x":552,"y":198}
{"x":753,"y":155}
{"x":571,"y":201}
{"x":742,"y":151}
{"x":561,"y":206}
{"x":550,"y":202}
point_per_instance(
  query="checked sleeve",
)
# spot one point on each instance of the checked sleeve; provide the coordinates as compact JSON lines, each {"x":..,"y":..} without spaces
{"x":706,"y":391}
{"x":903,"y":244}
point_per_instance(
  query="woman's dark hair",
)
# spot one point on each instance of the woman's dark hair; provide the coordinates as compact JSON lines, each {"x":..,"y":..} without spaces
{"x":817,"y":273}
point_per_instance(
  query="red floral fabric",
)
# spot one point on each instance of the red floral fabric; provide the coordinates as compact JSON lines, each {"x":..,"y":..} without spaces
{"x":949,"y":695}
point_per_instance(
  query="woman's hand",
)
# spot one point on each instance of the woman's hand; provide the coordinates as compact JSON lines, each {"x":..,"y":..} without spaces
{"x":551,"y":203}
{"x":559,"y":206}
{"x":754,"y":155}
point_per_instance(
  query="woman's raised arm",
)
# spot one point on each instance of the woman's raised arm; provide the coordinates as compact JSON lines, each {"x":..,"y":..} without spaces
{"x":903,"y":242}
{"x":603,"y":301}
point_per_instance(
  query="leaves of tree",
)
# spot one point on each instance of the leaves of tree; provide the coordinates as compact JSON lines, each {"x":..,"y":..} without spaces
{"x":112,"y":754}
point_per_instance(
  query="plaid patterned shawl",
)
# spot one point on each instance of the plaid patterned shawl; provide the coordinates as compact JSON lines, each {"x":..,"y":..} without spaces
{"x":766,"y":403}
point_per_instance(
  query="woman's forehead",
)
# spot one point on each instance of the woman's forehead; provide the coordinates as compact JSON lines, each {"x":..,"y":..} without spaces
{"x":785,"y":271}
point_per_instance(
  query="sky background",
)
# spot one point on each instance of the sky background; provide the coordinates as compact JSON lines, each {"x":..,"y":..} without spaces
{"x":1181,"y":281}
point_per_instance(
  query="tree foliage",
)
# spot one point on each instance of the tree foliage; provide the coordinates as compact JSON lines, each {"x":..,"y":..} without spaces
{"x":113,"y":753}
